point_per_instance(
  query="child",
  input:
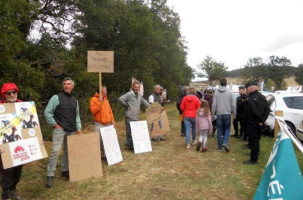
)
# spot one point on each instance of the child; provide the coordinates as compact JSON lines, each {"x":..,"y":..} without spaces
{"x":203,"y":124}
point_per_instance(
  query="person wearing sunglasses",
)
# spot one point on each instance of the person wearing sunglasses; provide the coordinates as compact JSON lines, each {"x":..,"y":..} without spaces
{"x":10,"y":177}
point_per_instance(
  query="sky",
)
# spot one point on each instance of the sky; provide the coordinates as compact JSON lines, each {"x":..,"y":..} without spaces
{"x":232,"y":31}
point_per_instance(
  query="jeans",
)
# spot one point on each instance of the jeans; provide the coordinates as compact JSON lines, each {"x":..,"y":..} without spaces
{"x":59,"y":138}
{"x":190,"y":123}
{"x":223,"y":123}
{"x":152,"y":128}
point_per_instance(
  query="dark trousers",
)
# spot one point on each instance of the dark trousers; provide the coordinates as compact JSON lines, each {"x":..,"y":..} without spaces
{"x":129,"y":139}
{"x":254,"y":136}
{"x":182,"y":127}
{"x":243,"y":128}
{"x":236,"y":127}
{"x":9,"y":177}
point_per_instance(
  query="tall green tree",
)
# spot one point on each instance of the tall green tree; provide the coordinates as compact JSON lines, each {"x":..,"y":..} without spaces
{"x":213,"y":69}
{"x":299,"y":75}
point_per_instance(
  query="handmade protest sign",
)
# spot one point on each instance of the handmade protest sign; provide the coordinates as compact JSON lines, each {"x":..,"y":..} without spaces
{"x":20,"y":135}
{"x":111,"y":145}
{"x":84,"y":157}
{"x":153,"y":115}
{"x":140,"y":136}
{"x":165,"y":123}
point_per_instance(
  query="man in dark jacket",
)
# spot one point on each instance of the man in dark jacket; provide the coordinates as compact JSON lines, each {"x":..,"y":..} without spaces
{"x":62,"y":112}
{"x":257,"y":113}
{"x":241,"y":113}
{"x":181,"y":96}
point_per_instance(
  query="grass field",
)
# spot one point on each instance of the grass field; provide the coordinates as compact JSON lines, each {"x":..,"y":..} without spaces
{"x":170,"y":171}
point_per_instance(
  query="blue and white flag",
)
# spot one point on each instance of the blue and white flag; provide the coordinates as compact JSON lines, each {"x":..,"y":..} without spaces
{"x":282,"y":178}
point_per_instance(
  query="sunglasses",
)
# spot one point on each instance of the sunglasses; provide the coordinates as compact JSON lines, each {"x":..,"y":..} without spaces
{"x":11,"y":92}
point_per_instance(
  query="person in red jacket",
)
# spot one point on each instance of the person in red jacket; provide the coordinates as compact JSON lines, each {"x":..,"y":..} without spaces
{"x":10,"y":177}
{"x":189,"y":105}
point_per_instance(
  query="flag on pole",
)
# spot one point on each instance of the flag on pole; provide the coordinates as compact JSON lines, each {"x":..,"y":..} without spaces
{"x":282,"y":178}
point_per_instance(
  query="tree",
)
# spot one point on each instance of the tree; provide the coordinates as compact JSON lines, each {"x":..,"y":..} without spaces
{"x":299,"y":75}
{"x":255,"y":69}
{"x":214,"y":70}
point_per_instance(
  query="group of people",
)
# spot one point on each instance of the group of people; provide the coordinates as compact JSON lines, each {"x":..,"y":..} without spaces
{"x":215,"y":110}
{"x":62,"y":113}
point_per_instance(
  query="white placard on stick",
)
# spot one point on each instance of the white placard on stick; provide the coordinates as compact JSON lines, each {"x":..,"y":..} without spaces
{"x":100,"y":61}
{"x":111,"y":145}
{"x":140,"y":136}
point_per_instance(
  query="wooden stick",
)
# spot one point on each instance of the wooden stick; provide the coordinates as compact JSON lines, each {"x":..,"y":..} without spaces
{"x":100,"y":84}
{"x":277,"y":128}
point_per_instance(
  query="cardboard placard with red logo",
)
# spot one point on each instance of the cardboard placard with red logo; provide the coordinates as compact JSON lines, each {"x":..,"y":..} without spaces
{"x":20,"y":135}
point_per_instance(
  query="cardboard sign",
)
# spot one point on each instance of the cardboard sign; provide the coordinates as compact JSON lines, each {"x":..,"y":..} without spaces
{"x":140,"y":137}
{"x":100,"y":61}
{"x":84,"y":156}
{"x":19,"y":127}
{"x":157,"y":131}
{"x":111,"y":145}
{"x":165,"y":123}
{"x":153,"y":112}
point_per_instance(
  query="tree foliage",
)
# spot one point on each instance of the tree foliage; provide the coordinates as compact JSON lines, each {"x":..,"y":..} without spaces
{"x":213,"y":69}
{"x":299,"y":75}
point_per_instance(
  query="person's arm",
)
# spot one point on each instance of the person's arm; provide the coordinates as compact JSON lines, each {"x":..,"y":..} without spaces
{"x":233,"y":105}
{"x":214,"y":106}
{"x":50,"y":109}
{"x":145,"y":103}
{"x":95,"y":105}
{"x":78,"y":120}
{"x":151,"y":99}
{"x":254,"y":109}
{"x":123,"y":100}
{"x":182,"y":106}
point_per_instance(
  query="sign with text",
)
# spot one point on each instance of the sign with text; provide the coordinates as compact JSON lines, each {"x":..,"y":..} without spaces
{"x":111,"y":145}
{"x":20,"y":135}
{"x":140,"y":136}
{"x":84,"y":156}
{"x":100,"y":61}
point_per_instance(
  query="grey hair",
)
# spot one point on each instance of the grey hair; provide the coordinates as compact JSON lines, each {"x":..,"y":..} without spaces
{"x":69,"y":79}
{"x":157,"y":86}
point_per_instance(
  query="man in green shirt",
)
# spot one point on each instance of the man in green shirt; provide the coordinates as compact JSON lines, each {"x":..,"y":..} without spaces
{"x":62,"y":112}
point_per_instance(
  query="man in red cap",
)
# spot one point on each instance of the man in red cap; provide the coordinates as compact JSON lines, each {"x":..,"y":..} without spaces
{"x":10,"y":177}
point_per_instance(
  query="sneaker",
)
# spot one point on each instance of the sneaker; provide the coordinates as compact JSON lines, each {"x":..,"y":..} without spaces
{"x":199,"y":146}
{"x":65,"y":174}
{"x":182,"y":135}
{"x":219,"y":149}
{"x":154,"y":140}
{"x":194,"y":142}
{"x":204,"y":149}
{"x":188,"y":145}
{"x":225,"y":148}
{"x":49,"y":181}
{"x":250,"y":162}
{"x":13,"y":194}
{"x":162,"y":139}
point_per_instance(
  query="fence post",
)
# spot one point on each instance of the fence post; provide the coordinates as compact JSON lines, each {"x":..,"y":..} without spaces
{"x":277,"y":128}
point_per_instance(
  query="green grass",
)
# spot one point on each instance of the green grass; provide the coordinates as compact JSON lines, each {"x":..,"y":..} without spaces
{"x":169,"y":172}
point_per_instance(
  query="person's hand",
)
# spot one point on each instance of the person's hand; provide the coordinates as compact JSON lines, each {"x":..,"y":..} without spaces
{"x":260,"y":124}
{"x":1,"y":151}
{"x":79,"y":132}
{"x":210,"y":133}
{"x":101,"y":99}
{"x":42,"y":143}
{"x":128,"y":108}
{"x":163,"y":108}
{"x":57,"y":126}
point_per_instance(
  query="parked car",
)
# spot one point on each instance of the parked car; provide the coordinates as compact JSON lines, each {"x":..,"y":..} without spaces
{"x":300,"y":130}
{"x":292,"y":106}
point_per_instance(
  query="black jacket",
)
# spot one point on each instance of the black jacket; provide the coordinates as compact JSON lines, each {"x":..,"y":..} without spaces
{"x":257,"y":108}
{"x":181,"y":96}
{"x":241,"y":106}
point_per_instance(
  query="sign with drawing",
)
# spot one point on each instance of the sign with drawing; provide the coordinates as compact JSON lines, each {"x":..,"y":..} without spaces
{"x":20,"y":135}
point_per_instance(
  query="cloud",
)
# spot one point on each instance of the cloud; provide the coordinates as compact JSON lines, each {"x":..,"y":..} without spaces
{"x":284,"y":41}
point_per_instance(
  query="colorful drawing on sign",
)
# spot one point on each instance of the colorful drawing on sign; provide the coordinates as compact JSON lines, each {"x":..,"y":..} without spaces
{"x":10,"y":128}
{"x":140,"y":136}
{"x":28,"y":114}
{"x":111,"y":145}
{"x":25,"y":151}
